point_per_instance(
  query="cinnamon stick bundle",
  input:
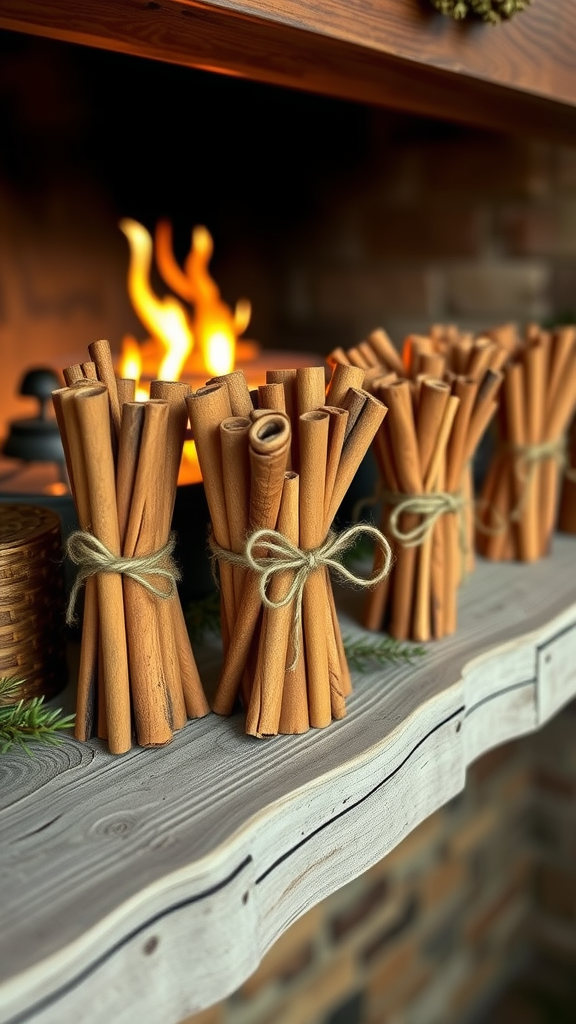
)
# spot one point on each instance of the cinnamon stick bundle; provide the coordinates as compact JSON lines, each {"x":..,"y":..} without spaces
{"x":519,"y":498}
{"x":137,"y":669}
{"x":443,"y":350}
{"x":284,"y":658}
{"x":423,"y":451}
{"x":444,"y":354}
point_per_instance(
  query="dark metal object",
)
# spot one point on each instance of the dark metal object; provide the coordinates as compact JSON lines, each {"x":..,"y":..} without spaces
{"x":37,"y":438}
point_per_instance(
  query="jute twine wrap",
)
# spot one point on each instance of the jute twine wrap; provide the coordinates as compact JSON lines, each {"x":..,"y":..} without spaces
{"x":92,"y":557}
{"x":283,"y":556}
{"x":526,"y":458}
{"x":430,"y":507}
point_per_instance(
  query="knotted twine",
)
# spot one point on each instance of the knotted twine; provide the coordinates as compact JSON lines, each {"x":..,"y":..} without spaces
{"x":527,"y":456}
{"x":430,"y":507}
{"x":526,"y":459}
{"x":92,"y":557}
{"x":284,"y":556}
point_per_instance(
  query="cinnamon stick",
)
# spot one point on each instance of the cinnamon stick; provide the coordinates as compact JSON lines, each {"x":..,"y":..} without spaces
{"x":357,"y":358}
{"x":173,"y":632}
{"x":313,"y":458}
{"x":207,"y":408}
{"x":272,"y":397}
{"x":236,"y":476}
{"x":235,"y":382}
{"x":338,"y":357}
{"x":288,"y":380}
{"x":73,"y":373}
{"x":407,"y":464}
{"x":269,"y":698}
{"x":386,"y":351}
{"x":102,"y":358}
{"x":535,"y":400}
{"x":149,"y":688}
{"x":336,"y":436}
{"x":269,"y":445}
{"x":422,"y":629}
{"x":356,"y":444}
{"x":92,"y":405}
{"x":87,"y":690}
{"x":343,"y":378}
{"x":89,"y":370}
{"x":310,"y":388}
{"x":466,"y":389}
{"x":126,"y":388}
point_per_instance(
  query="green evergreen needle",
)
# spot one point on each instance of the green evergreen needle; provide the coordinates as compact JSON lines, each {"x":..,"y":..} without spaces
{"x":365,"y":652}
{"x":24,"y":721}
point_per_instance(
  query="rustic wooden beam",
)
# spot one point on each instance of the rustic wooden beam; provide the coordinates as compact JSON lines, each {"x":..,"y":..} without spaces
{"x":519,"y":76}
{"x":151,"y":885}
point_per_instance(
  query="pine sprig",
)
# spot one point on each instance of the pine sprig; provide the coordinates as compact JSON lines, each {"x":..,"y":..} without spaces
{"x":203,"y":616}
{"x":24,"y":721}
{"x":364,"y":653}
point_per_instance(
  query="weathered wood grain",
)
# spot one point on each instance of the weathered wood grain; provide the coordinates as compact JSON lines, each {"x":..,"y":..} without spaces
{"x":147,"y":886}
{"x":518,"y":76}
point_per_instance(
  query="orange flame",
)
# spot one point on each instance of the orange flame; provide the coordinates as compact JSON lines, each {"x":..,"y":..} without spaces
{"x":130,"y":365}
{"x":211,"y":324}
{"x":165,"y":318}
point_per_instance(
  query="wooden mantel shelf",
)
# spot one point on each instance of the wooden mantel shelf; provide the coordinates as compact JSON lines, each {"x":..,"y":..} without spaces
{"x":518,"y":76}
{"x":147,"y":886}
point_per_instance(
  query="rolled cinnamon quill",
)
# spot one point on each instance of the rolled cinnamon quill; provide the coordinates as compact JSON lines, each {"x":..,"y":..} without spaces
{"x":269,"y":446}
{"x":425,"y":592}
{"x":433,"y":399}
{"x":278,"y":693}
{"x":102,"y":359}
{"x":153,"y":708}
{"x":407,"y":465}
{"x":93,"y":423}
{"x":87,"y":692}
{"x":173,"y":632}
{"x":466,"y":389}
{"x":313,"y":458}
{"x":207,"y":408}
{"x":343,"y":378}
{"x":235,"y":382}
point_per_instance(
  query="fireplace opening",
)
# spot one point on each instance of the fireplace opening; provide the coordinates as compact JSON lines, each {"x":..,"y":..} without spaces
{"x":331,"y":217}
{"x":92,"y":137}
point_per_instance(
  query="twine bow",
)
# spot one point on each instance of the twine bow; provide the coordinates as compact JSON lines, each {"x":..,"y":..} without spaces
{"x":283,"y":557}
{"x":92,"y":557}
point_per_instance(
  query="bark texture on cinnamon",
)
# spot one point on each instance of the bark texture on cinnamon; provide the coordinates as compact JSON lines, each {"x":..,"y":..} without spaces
{"x":277,"y":478}
{"x":520,"y":497}
{"x":138,"y":677}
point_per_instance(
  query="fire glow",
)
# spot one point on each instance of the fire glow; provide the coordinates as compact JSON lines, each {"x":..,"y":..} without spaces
{"x":194,"y":337}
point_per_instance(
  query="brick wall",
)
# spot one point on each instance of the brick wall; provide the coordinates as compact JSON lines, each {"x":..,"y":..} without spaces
{"x":439,"y":225}
{"x":434,"y":932}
